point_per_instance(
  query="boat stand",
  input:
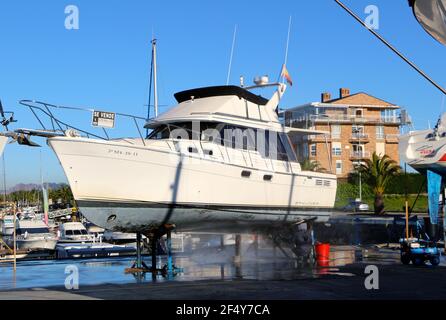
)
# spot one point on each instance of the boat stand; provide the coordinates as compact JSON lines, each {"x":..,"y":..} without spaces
{"x":169,"y":270}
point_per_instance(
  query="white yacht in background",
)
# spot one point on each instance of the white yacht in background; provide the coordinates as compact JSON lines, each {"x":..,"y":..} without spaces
{"x":32,"y":235}
{"x":7,"y":225}
{"x":425,"y":149}
{"x":74,"y":232}
{"x":135,"y":185}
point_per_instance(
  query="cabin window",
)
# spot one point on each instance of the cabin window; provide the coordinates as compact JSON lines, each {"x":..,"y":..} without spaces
{"x":267,"y":143}
{"x":287,"y":146}
{"x":161,"y":132}
{"x":22,"y":231}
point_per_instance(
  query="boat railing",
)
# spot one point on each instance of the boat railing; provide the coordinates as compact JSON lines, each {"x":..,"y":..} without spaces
{"x":44,"y":111}
{"x":51,"y":124}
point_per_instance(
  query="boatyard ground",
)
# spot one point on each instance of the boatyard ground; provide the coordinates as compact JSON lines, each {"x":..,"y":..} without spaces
{"x":396,"y":282}
{"x":271,"y":282}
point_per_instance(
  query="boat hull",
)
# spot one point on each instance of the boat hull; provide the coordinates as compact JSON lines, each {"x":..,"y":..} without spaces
{"x":423,"y":152}
{"x":131,"y":188}
{"x":141,"y":217}
{"x":33,"y":244}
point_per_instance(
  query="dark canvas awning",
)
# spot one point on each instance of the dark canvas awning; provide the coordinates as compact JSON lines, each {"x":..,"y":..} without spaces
{"x":220,"y":91}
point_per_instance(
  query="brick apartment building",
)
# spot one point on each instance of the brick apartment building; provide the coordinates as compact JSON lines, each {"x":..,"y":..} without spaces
{"x":358,"y":124}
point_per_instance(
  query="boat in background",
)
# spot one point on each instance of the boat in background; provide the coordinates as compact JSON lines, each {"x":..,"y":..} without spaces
{"x":74,"y":232}
{"x":7,"y":225}
{"x":117,"y":237}
{"x":32,"y":235}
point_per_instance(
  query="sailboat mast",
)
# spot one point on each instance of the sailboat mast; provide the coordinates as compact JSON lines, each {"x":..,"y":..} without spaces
{"x":155,"y":84}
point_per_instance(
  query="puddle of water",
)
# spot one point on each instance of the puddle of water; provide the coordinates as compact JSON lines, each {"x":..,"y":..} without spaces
{"x":204,"y":257}
{"x":215,"y":256}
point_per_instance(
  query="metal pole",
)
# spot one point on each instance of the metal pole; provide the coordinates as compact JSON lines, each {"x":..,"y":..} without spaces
{"x":138,"y":250}
{"x":444,"y":215}
{"x":421,"y":72}
{"x":330,"y":160}
{"x":232,"y":53}
{"x":407,"y":220}
{"x":238,"y":258}
{"x":359,"y":171}
{"x":154,"y":251}
{"x":4,"y":178}
{"x":155,"y":84}
{"x":15,"y":237}
{"x":169,"y":255}
{"x":360,"y":186}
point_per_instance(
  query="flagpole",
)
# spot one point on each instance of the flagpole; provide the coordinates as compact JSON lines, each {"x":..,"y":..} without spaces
{"x":286,"y":51}
{"x":287,"y":42}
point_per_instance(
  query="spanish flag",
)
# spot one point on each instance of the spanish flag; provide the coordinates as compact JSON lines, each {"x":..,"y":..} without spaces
{"x":286,"y":75}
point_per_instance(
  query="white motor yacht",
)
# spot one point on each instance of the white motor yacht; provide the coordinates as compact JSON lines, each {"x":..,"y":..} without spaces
{"x":220,"y":157}
{"x":32,"y":235}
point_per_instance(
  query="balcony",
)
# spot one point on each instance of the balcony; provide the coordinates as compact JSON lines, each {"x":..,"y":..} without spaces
{"x":392,"y":138}
{"x":318,"y":138}
{"x":359,"y":137}
{"x":359,"y":155}
{"x":348,"y":118}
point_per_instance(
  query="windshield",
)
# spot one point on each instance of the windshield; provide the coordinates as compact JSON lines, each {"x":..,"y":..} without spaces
{"x":32,"y":230}
{"x":75,"y":232}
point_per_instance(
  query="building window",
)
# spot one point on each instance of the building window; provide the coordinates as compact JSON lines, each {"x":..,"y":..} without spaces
{"x":336,"y":148}
{"x":335,"y":131}
{"x":379,"y":132}
{"x":358,"y":113}
{"x":338,"y":166}
{"x":313,"y":150}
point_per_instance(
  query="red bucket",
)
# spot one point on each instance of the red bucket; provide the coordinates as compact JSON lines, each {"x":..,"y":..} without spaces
{"x":322,"y":251}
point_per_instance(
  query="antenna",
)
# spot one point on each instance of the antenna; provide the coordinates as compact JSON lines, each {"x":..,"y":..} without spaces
{"x":232,"y":52}
{"x":152,"y":76}
{"x":155,"y":85}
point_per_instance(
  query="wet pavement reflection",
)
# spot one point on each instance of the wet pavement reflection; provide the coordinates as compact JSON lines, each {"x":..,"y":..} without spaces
{"x":213,"y":256}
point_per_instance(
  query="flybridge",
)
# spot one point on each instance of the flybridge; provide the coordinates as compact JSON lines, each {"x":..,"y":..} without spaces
{"x":207,"y":92}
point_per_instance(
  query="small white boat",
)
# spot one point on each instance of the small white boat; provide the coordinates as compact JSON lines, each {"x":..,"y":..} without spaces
{"x":74,"y":232}
{"x":94,"y":230}
{"x":32,"y":235}
{"x":7,"y":225}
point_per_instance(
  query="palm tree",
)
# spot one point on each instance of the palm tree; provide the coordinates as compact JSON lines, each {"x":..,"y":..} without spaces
{"x":378,"y":171}
{"x":311,"y":165}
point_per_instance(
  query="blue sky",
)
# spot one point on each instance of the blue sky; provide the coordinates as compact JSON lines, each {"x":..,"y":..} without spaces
{"x":105,"y":63}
